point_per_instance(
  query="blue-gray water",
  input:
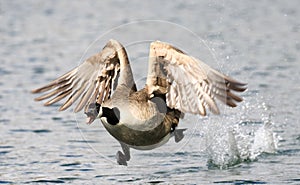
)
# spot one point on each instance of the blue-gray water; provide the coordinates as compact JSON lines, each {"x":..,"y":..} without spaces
{"x":257,"y":42}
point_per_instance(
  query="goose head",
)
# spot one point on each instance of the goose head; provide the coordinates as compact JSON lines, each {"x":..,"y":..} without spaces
{"x":92,"y":112}
{"x":108,"y":115}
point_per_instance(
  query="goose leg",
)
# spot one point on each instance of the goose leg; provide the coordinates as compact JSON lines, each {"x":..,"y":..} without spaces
{"x":123,"y":157}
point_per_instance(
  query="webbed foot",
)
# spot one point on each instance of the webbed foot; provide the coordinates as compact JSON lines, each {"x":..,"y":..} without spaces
{"x":123,"y":157}
{"x":178,"y":134}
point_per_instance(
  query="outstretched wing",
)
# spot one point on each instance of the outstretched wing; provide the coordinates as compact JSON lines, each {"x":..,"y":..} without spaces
{"x":190,"y":85}
{"x":90,"y":82}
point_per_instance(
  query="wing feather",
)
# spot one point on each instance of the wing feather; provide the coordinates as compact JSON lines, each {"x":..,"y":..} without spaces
{"x":90,"y":82}
{"x":192,"y":85}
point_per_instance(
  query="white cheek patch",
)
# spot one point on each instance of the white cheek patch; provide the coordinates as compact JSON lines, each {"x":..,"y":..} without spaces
{"x":104,"y":120}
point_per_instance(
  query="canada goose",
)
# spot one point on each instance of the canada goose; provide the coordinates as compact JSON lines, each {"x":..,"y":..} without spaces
{"x":142,"y":119}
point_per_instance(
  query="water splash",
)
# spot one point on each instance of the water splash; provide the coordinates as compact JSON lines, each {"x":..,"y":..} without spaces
{"x":265,"y":141}
{"x":228,"y":143}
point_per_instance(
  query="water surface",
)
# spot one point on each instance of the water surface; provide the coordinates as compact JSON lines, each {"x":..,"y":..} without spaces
{"x":256,"y":42}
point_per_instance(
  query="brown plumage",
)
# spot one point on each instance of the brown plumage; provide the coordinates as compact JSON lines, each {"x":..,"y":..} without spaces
{"x":144,"y":119}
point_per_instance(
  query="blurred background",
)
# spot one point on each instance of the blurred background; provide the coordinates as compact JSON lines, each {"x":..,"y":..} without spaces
{"x":255,"y":42}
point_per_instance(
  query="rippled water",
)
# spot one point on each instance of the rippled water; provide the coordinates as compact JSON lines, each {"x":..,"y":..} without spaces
{"x":256,"y":42}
